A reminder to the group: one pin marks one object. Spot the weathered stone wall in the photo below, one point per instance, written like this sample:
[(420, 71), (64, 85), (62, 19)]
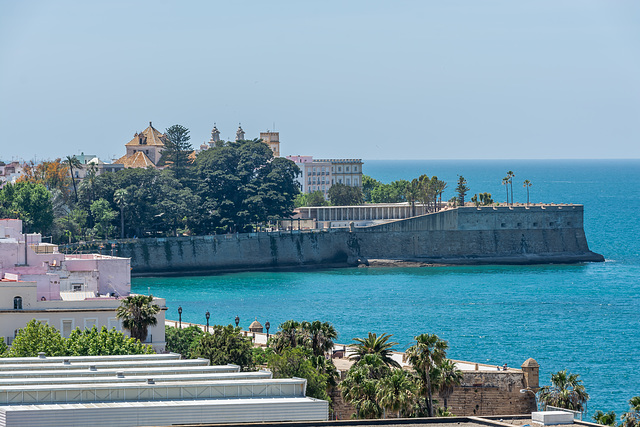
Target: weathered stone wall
[(491, 393), (467, 235)]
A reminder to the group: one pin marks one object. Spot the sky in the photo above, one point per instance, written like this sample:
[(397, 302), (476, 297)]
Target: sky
[(547, 79)]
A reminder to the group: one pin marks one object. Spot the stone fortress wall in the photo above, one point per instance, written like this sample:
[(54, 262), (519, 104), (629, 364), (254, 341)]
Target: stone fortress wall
[(466, 235)]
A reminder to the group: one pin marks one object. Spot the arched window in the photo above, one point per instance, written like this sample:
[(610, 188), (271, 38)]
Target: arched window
[(17, 303)]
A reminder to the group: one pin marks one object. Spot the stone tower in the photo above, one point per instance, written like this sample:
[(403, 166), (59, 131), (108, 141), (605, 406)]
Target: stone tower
[(531, 374), (239, 133), (215, 136), (272, 139)]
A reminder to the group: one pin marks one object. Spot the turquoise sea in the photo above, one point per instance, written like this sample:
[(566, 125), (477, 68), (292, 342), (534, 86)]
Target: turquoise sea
[(585, 318)]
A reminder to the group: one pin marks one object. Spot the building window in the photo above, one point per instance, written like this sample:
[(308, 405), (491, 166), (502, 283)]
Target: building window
[(355, 169), (348, 181), (355, 181), (90, 323), (67, 327), (346, 169), (339, 168), (114, 323), (17, 303)]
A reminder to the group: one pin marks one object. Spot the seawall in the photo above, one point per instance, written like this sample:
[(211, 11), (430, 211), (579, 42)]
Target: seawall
[(467, 235)]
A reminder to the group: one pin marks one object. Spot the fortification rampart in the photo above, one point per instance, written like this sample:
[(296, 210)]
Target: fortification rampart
[(469, 235)]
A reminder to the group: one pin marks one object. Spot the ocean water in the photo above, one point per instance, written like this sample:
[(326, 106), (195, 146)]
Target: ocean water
[(584, 318)]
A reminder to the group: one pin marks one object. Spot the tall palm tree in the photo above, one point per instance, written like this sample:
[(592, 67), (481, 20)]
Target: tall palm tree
[(396, 392), (632, 418), (321, 336), (505, 182), (427, 353), (374, 345), (412, 194), (566, 391), (449, 377), (526, 185), (120, 197), (510, 175), (137, 313), (71, 162)]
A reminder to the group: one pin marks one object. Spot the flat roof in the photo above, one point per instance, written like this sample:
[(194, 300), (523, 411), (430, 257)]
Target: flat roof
[(60, 359), (178, 369)]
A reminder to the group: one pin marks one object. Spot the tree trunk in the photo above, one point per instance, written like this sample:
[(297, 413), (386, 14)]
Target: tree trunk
[(122, 222)]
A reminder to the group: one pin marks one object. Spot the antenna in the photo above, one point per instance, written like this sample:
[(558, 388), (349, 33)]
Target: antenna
[(274, 126)]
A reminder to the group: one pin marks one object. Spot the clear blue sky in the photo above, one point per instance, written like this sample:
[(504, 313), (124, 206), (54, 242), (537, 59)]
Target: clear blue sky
[(367, 79)]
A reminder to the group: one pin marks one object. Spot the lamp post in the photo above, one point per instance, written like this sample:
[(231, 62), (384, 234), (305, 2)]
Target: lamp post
[(207, 315), (267, 325), (180, 316), (535, 396), (237, 321)]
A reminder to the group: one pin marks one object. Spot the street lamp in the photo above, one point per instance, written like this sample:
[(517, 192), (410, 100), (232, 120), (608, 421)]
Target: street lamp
[(207, 315), (180, 316), (237, 321), (535, 396), (267, 325)]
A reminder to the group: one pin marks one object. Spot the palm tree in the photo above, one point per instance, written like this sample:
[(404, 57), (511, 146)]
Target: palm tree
[(449, 377), (526, 185), (427, 353), (412, 194), (321, 336), (71, 162), (290, 335), (510, 175), (374, 345), (137, 313), (632, 418), (396, 392), (606, 419), (505, 182), (566, 391), (120, 197)]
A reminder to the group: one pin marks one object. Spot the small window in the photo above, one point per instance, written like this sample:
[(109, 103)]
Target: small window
[(503, 225), (90, 323), (551, 224), (17, 303), (569, 223), (67, 327), (519, 224), (76, 287), (346, 169), (355, 169), (339, 168), (535, 224)]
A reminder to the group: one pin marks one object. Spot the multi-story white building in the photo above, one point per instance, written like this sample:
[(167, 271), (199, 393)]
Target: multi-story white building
[(321, 174), (10, 172), (65, 291)]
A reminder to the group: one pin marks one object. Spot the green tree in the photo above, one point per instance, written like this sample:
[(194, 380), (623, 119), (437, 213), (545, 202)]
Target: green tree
[(3, 348), (177, 148), (316, 198), (462, 189), (289, 335), (225, 344), (183, 340), (360, 386), (632, 418), (527, 184), (345, 195), (29, 202), (103, 217), (566, 391), (106, 342), (449, 376), (37, 337), (320, 336), (412, 193), (606, 419), (368, 185), (120, 198), (374, 344), (427, 353), (137, 313), (295, 362), (397, 392)]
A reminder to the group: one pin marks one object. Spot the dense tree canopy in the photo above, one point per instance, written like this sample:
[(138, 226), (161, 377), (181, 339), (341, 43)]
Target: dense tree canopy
[(345, 195), (29, 202)]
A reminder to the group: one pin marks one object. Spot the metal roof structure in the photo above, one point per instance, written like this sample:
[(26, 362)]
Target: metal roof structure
[(146, 390)]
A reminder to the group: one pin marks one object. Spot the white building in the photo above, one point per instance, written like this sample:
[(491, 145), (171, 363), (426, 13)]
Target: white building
[(146, 390), (65, 291), (321, 174)]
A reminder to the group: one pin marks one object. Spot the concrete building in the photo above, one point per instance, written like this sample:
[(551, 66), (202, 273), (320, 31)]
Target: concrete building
[(144, 149), (321, 174), (10, 172), (65, 291), (361, 215), (91, 162), (146, 390)]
